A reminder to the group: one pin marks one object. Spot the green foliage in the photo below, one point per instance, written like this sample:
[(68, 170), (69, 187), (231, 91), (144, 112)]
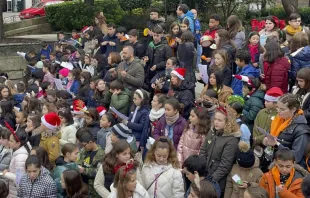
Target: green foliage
[(129, 5), (75, 15)]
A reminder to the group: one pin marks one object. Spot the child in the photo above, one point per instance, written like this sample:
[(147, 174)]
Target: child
[(49, 71), (214, 25), (4, 188), (138, 120), (106, 122), (32, 129), (122, 38), (84, 88), (48, 107), (126, 184), (71, 181), (70, 152), (255, 192), (161, 175), (19, 97), (68, 131), (91, 101), (73, 84), (112, 162), (89, 160), (157, 111), (5, 93), (46, 50), (121, 96), (63, 76), (284, 179), (41, 153), (173, 36), (5, 151), (243, 62), (91, 117), (194, 134), (293, 26), (100, 92), (109, 41), (7, 113), (31, 105), (266, 115), (247, 168), (137, 45), (44, 87), (220, 146), (78, 113), (50, 139), (254, 48), (172, 124), (21, 149), (62, 38), (21, 119), (39, 184), (51, 96)]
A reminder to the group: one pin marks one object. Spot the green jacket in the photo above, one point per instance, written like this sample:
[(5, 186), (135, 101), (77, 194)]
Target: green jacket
[(263, 120), (121, 101), (91, 171)]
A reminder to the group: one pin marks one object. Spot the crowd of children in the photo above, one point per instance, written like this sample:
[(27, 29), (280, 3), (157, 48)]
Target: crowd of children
[(108, 113)]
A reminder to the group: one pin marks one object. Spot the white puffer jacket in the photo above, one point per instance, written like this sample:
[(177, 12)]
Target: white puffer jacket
[(139, 192), (68, 135), (169, 183), (16, 169)]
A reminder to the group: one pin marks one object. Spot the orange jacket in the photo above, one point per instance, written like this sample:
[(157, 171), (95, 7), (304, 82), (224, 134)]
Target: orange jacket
[(294, 190)]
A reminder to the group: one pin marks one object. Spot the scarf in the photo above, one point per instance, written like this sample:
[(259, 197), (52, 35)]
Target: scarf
[(155, 115), (253, 51), (279, 124), (118, 166), (276, 176), (171, 120), (290, 30)]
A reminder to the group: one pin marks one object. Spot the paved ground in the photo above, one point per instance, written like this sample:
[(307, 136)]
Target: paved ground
[(10, 17)]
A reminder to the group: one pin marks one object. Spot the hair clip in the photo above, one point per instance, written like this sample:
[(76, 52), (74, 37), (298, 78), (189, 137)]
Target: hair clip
[(222, 109), (129, 165), (11, 130), (163, 140)]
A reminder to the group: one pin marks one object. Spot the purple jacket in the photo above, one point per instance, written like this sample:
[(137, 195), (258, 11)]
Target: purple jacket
[(178, 129)]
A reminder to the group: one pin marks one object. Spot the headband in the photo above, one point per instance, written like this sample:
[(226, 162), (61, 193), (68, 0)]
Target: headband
[(222, 109), (139, 92)]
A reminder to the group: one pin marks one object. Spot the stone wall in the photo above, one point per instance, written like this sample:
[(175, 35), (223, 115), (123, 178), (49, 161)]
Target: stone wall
[(14, 66)]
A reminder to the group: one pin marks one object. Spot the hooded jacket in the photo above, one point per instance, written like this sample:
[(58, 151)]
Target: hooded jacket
[(219, 149), (67, 135), (190, 16), (276, 74), (299, 59), (5, 158), (121, 101), (42, 186), (185, 95)]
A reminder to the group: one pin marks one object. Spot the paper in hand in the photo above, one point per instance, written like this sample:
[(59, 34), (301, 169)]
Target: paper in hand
[(119, 114), (203, 69), (264, 132)]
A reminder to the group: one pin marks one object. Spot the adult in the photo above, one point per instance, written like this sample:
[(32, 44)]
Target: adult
[(101, 25), (155, 20), (182, 13), (270, 28), (235, 30), (130, 70)]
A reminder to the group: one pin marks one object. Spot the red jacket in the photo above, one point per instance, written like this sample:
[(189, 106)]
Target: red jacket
[(276, 74)]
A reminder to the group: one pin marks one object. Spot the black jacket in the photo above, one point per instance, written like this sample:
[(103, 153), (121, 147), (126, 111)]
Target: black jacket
[(186, 53), (107, 49), (139, 50), (93, 129)]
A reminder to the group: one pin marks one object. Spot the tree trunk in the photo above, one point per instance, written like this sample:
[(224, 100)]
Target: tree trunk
[(290, 6), (1, 19)]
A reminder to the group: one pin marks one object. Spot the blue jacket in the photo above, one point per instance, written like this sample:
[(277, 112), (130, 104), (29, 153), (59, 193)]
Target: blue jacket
[(18, 98), (248, 70), (197, 28), (299, 59), (46, 52), (75, 87), (190, 16), (91, 102), (140, 126), (107, 49)]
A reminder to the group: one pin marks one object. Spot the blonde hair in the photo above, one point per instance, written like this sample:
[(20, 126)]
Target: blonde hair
[(231, 124)]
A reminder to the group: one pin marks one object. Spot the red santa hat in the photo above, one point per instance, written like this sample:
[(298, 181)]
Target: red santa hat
[(244, 79), (179, 72), (85, 29), (101, 110), (79, 107), (273, 94), (51, 121)]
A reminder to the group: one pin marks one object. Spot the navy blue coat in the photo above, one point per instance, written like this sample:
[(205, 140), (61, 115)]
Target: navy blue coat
[(299, 59), (107, 49)]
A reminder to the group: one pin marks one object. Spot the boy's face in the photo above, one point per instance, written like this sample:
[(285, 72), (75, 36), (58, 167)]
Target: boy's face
[(190, 176), (52, 57), (61, 36), (119, 35), (213, 23), (111, 30), (270, 105), (295, 23), (154, 15), (285, 167), (157, 37), (239, 62), (132, 39)]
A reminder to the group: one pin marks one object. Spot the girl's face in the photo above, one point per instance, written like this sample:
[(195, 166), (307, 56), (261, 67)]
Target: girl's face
[(193, 118), (63, 120), (33, 171), (4, 142), (174, 79), (13, 144), (62, 181), (137, 100), (192, 194), (88, 119), (100, 85), (183, 27), (301, 82), (254, 39), (77, 54), (161, 156), (219, 121), (82, 80), (284, 111), (212, 80), (73, 156), (86, 60), (219, 61), (20, 119), (104, 122), (269, 25), (29, 122), (169, 64), (176, 29), (170, 111), (70, 77), (5, 93), (132, 183), (94, 62), (217, 39), (155, 104), (124, 156)]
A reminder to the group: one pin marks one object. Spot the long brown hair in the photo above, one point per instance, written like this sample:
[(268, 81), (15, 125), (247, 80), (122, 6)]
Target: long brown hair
[(206, 189), (74, 184), (304, 73), (234, 26), (163, 143), (224, 38), (299, 40), (204, 120), (122, 177)]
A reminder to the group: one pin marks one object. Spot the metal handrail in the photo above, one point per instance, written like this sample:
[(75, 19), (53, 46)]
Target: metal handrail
[(11, 19)]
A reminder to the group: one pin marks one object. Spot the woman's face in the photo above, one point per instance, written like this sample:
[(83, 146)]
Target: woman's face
[(13, 144), (161, 156), (217, 39), (100, 85), (5, 93), (137, 100), (132, 183), (269, 25), (124, 156), (174, 79), (219, 61), (175, 30), (219, 121), (284, 111), (155, 104), (301, 82), (33, 172), (74, 155), (170, 111), (212, 80), (86, 60)]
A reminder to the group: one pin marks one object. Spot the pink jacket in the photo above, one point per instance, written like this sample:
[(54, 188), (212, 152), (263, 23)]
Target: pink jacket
[(190, 143)]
